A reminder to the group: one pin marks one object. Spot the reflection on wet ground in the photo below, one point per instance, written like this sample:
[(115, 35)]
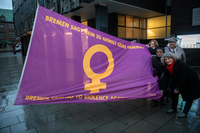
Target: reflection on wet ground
[(111, 117)]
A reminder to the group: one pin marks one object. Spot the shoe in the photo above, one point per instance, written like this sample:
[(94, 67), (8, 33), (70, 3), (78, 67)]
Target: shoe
[(182, 115), (171, 111)]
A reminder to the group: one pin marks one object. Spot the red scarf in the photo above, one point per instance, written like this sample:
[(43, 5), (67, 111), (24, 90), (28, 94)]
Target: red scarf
[(170, 68)]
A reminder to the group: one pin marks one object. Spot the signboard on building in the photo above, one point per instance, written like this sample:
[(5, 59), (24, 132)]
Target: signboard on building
[(189, 41)]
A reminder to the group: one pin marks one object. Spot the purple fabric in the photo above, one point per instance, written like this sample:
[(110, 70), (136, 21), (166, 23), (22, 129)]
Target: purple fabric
[(59, 53)]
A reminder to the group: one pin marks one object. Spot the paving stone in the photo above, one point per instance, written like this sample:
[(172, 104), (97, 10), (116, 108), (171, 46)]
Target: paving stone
[(173, 127), (190, 121), (54, 116), (100, 109), (36, 109), (77, 108), (123, 109), (11, 114), (60, 131), (53, 126), (72, 119), (5, 130), (81, 127), (31, 119), (159, 118), (104, 117), (30, 131), (147, 109), (12, 107), (196, 128), (54, 108), (111, 127), (137, 102), (142, 127), (131, 118), (8, 122), (116, 103), (19, 127)]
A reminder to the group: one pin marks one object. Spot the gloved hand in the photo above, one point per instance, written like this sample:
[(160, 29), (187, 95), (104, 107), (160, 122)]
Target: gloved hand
[(154, 73)]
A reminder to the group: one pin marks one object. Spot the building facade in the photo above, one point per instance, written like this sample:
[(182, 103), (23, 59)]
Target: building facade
[(7, 34), (132, 20)]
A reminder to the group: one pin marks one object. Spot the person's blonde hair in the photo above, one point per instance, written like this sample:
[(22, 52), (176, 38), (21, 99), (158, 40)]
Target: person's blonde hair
[(155, 42), (169, 55)]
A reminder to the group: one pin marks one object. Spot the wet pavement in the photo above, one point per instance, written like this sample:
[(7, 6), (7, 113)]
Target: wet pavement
[(130, 116)]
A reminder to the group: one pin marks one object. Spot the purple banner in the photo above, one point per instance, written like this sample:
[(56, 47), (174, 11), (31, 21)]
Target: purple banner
[(68, 62)]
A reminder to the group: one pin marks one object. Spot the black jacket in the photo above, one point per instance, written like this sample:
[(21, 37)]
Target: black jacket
[(184, 79), (157, 65), (152, 51)]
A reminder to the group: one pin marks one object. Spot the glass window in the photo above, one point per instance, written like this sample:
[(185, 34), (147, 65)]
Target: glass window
[(11, 26), (156, 22), (168, 32), (129, 21), (1, 26), (136, 33), (2, 19), (2, 35), (143, 23), (85, 23), (121, 32), (129, 32), (130, 27), (12, 34), (156, 33), (136, 22), (143, 33), (156, 27), (169, 20), (121, 20)]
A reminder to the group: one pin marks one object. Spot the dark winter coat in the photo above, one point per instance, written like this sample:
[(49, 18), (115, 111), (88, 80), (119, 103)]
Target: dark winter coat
[(152, 51), (184, 79), (157, 65)]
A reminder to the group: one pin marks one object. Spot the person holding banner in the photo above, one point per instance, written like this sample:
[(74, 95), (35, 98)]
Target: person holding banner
[(174, 48), (185, 81), (158, 71), (152, 45)]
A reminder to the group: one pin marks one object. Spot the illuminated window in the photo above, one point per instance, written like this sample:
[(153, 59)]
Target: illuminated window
[(129, 21), (156, 27), (85, 23), (131, 27), (136, 22), (121, 32), (121, 20)]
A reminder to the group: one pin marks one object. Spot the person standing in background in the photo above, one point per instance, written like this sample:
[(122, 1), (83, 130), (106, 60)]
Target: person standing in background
[(174, 48), (152, 45)]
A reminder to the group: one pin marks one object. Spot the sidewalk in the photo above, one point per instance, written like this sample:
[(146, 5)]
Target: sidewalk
[(130, 116)]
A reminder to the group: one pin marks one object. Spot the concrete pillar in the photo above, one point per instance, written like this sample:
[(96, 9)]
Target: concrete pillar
[(101, 14), (76, 18), (113, 24)]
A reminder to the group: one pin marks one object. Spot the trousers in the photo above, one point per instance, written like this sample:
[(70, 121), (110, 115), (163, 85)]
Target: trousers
[(175, 103)]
